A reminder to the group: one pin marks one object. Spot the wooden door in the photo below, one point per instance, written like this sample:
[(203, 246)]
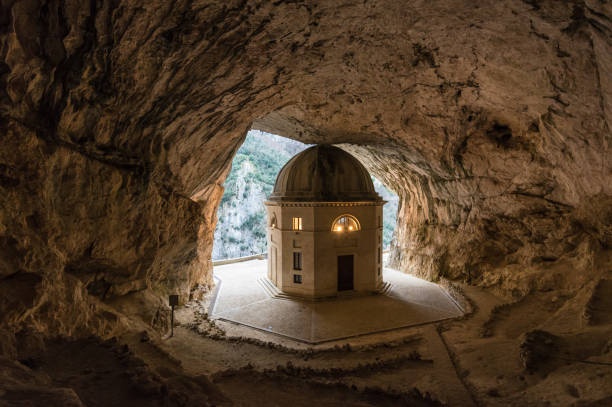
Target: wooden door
[(345, 272)]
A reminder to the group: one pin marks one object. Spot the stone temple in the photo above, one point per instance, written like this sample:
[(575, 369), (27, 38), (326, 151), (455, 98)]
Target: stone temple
[(325, 226)]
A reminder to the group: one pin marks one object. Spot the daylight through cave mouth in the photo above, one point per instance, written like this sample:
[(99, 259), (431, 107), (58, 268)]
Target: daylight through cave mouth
[(241, 219), (321, 234)]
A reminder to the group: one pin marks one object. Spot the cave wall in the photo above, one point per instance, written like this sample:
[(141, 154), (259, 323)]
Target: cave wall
[(77, 232), (120, 119), (492, 125)]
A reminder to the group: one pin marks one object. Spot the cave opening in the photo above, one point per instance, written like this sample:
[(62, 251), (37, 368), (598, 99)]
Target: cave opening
[(323, 228), (241, 222)]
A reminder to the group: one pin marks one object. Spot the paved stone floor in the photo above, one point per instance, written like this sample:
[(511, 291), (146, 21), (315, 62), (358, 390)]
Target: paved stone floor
[(410, 301)]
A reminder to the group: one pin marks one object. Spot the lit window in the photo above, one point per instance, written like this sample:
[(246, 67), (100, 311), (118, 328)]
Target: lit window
[(297, 279), (297, 223), (297, 260), (346, 223), (273, 221)]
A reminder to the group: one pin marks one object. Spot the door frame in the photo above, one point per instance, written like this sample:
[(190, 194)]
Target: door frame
[(354, 256)]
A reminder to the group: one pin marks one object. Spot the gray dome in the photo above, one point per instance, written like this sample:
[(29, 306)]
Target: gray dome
[(324, 173)]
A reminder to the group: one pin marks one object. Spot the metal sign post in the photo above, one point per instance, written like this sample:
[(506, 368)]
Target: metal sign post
[(174, 300)]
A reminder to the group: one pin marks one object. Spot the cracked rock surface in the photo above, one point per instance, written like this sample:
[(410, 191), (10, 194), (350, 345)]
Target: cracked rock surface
[(119, 120)]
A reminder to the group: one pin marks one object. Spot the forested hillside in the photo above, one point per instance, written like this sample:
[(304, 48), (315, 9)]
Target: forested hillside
[(241, 224)]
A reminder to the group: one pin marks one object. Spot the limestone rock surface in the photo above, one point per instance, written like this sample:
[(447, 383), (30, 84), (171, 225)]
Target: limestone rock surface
[(119, 119)]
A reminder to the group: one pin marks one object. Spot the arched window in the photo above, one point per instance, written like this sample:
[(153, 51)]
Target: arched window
[(273, 221), (346, 223)]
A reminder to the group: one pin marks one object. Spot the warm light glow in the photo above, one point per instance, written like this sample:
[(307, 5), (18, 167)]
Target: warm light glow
[(346, 223), (297, 223)]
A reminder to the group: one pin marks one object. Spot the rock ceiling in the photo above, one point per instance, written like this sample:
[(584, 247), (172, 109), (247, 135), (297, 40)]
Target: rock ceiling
[(491, 120)]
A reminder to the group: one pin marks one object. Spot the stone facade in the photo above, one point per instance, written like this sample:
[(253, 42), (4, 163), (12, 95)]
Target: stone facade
[(320, 247)]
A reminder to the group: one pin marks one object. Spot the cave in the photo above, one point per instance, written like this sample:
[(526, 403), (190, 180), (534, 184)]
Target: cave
[(119, 122)]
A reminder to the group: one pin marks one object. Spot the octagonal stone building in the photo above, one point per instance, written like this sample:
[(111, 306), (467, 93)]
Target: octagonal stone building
[(324, 226)]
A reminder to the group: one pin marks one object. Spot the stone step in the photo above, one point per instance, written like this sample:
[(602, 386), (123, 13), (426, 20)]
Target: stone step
[(384, 288), (273, 292), (268, 286)]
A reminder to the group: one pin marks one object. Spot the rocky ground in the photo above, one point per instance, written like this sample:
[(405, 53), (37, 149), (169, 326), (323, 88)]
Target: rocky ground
[(499, 354)]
